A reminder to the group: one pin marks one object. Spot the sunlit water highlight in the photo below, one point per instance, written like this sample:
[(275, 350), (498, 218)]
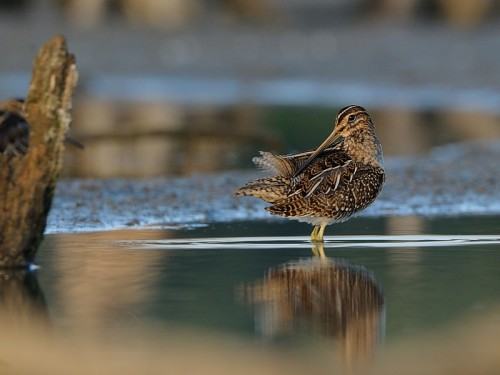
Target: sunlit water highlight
[(302, 242)]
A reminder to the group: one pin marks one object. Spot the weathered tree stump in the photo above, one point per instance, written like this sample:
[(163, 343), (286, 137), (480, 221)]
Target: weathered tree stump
[(27, 183)]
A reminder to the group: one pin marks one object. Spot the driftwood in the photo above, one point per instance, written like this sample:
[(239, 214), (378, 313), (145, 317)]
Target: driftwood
[(27, 183)]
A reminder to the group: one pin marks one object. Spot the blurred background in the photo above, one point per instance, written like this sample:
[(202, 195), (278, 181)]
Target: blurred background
[(183, 86), (175, 87)]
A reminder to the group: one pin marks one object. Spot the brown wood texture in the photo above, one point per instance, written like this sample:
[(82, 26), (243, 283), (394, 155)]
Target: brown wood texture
[(27, 183)]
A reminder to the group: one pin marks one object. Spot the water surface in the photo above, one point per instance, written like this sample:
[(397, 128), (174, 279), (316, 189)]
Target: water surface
[(254, 287), (431, 272)]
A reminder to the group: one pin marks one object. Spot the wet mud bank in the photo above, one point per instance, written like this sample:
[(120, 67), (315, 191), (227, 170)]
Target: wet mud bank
[(452, 180)]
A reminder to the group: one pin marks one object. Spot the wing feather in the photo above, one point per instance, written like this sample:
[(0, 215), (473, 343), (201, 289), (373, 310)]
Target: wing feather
[(333, 187)]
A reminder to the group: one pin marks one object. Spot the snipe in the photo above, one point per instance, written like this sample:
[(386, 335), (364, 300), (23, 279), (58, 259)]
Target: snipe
[(15, 130), (328, 185)]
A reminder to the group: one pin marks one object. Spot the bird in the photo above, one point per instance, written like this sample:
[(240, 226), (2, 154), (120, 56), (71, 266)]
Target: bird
[(14, 129), (326, 185)]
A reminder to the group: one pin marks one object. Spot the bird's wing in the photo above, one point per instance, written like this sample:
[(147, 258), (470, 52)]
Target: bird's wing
[(330, 189), (286, 165), (322, 181), (282, 186), (329, 172)]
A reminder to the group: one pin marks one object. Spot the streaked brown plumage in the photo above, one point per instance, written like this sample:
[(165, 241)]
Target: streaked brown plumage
[(328, 185), (14, 129)]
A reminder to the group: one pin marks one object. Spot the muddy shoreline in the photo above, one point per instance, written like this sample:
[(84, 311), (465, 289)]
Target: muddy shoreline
[(457, 179)]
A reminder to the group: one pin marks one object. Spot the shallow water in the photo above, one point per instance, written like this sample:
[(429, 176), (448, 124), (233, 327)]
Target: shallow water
[(219, 278), (384, 286)]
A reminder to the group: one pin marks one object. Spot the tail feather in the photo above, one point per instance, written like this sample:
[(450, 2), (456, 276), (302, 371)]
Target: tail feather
[(269, 189), (294, 209), (274, 163)]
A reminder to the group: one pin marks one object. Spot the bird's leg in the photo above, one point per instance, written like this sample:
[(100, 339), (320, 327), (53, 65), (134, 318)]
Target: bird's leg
[(319, 237), (317, 233), (314, 234)]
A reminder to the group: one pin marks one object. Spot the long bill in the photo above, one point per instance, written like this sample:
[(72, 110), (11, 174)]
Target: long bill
[(332, 140)]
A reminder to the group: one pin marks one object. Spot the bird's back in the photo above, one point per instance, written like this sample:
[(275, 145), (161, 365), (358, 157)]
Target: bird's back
[(330, 189)]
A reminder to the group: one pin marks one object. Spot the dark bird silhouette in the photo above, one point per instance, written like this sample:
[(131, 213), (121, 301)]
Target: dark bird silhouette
[(14, 129)]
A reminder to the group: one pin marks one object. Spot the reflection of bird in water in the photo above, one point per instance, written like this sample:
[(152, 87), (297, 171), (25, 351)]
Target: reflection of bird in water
[(327, 185), (15, 130), (329, 297)]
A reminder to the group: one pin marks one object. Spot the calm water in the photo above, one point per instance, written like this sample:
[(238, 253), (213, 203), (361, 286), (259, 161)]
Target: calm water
[(380, 283), (232, 279)]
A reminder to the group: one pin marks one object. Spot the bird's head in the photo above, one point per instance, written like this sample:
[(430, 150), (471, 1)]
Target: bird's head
[(351, 125), (351, 120)]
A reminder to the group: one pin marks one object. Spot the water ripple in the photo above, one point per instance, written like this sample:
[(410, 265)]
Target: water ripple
[(302, 242)]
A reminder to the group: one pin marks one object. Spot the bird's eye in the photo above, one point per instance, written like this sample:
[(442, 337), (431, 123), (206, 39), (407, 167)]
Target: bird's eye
[(351, 117)]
